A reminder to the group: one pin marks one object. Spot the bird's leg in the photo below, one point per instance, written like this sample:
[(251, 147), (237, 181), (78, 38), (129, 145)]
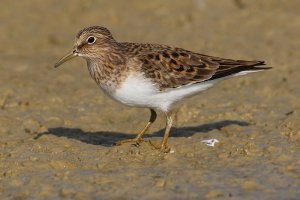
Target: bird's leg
[(153, 115), (139, 137), (163, 147)]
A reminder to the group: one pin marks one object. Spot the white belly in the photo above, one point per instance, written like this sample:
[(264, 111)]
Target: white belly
[(140, 92)]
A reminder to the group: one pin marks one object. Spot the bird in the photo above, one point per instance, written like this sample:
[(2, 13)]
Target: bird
[(152, 76)]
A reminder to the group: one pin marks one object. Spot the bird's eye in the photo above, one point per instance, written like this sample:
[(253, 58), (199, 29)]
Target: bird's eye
[(91, 40)]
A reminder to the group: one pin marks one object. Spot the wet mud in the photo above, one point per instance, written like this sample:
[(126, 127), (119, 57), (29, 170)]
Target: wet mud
[(57, 128)]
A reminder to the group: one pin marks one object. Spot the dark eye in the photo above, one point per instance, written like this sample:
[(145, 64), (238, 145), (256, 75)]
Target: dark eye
[(91, 40)]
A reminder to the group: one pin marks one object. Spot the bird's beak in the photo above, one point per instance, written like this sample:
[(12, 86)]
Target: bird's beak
[(67, 57)]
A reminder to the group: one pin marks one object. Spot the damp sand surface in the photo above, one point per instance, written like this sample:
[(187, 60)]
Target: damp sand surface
[(57, 128)]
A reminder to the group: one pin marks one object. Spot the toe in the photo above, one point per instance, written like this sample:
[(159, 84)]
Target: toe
[(165, 149), (135, 141)]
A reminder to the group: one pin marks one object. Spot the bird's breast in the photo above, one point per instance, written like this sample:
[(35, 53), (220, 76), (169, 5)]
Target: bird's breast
[(106, 76)]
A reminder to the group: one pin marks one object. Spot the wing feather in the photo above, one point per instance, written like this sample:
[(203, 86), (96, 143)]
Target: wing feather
[(176, 67)]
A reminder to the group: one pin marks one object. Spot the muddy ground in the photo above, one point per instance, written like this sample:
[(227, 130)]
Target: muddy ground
[(57, 128)]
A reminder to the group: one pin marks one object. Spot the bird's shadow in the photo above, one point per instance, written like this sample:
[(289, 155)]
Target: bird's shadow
[(107, 138)]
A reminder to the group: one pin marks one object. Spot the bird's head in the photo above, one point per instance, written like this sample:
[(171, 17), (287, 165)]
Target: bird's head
[(90, 43)]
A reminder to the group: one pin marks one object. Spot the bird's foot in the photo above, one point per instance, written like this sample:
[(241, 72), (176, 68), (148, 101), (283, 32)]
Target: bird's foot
[(134, 141), (162, 147)]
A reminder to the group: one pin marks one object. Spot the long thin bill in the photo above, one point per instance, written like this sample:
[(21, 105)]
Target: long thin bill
[(67, 57)]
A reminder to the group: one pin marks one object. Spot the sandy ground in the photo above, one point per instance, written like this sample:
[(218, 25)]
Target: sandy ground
[(57, 128)]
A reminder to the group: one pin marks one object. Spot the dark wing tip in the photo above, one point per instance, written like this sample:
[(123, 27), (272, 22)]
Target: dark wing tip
[(240, 66), (258, 65), (253, 65)]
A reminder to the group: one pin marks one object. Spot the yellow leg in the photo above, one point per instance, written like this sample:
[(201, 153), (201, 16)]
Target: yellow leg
[(139, 137), (163, 147)]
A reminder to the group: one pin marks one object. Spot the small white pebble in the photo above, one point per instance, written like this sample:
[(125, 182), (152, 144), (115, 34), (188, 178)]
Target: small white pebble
[(172, 150), (210, 142)]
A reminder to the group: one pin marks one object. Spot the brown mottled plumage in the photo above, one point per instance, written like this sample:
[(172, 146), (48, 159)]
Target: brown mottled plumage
[(151, 75)]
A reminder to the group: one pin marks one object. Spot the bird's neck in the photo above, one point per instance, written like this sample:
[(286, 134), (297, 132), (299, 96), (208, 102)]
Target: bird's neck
[(107, 70)]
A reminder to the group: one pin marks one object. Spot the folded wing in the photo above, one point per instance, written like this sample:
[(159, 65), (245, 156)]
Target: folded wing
[(175, 67)]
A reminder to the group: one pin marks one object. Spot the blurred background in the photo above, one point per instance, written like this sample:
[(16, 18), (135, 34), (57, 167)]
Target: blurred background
[(57, 127)]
